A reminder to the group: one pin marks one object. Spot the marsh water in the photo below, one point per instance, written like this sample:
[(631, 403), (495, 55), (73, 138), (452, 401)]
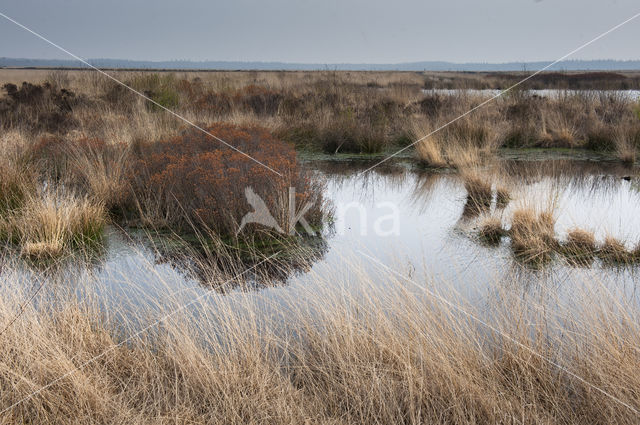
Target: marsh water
[(550, 93), (415, 221)]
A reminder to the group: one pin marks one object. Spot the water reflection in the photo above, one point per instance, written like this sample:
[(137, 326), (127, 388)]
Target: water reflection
[(434, 241)]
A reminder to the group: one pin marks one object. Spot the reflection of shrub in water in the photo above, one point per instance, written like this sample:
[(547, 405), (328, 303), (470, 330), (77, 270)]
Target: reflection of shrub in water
[(214, 263), (194, 181)]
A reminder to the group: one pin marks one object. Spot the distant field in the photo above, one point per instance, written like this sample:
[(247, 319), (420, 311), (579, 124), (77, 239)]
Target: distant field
[(586, 80)]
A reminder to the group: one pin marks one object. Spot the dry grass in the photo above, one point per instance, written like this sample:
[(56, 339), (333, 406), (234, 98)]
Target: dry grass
[(388, 357), (51, 224), (479, 190), (105, 175), (614, 251), (580, 247), (458, 148), (330, 111), (624, 141), (430, 154), (532, 234), (490, 229), (17, 178), (503, 194), (581, 239)]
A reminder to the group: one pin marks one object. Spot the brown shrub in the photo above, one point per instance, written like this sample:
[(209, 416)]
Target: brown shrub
[(195, 180), (259, 100), (38, 108), (214, 102)]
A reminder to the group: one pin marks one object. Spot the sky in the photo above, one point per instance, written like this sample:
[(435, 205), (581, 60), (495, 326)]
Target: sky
[(321, 31)]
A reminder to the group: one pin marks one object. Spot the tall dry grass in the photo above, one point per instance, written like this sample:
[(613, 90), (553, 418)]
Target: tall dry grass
[(368, 354), (49, 224)]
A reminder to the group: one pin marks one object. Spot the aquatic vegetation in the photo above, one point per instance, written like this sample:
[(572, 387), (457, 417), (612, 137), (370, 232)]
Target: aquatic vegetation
[(626, 137), (503, 195), (490, 229), (429, 150), (580, 247), (614, 251), (479, 190), (242, 364), (581, 241), (532, 234)]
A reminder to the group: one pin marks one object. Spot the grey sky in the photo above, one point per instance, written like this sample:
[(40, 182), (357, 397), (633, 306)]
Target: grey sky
[(322, 31)]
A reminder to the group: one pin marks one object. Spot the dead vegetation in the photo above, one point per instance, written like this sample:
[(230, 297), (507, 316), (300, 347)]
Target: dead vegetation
[(532, 234), (338, 359), (490, 230)]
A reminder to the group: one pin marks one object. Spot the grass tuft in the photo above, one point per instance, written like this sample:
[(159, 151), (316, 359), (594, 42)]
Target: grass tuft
[(613, 251), (532, 235), (490, 230), (580, 247), (479, 190), (52, 224)]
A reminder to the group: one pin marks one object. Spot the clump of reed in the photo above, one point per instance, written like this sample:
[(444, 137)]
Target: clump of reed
[(614, 251), (104, 172), (478, 187), (430, 154), (461, 147), (532, 234), (503, 195), (580, 247), (624, 141), (490, 230), (17, 179), (51, 224)]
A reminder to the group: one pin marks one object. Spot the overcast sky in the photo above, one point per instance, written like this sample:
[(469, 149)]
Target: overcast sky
[(322, 31)]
